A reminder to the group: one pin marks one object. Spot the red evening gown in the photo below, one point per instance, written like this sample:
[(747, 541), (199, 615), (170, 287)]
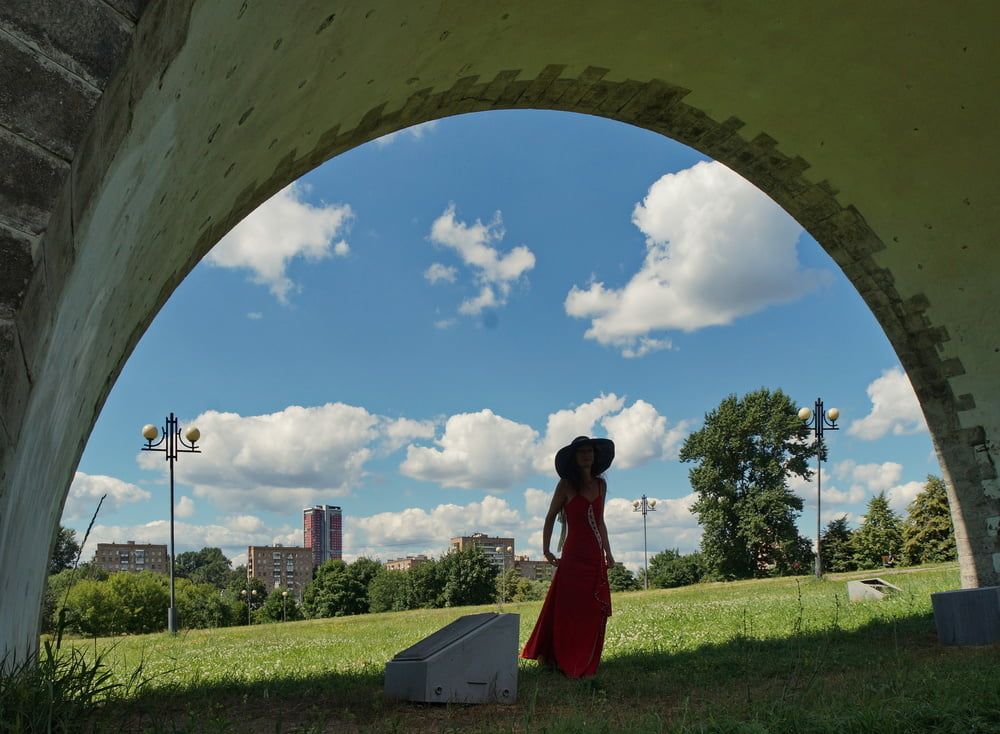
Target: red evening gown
[(570, 629)]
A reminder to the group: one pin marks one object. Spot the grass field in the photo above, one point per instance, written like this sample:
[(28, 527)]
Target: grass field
[(781, 655)]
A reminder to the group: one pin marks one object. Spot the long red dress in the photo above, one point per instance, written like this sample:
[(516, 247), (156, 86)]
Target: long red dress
[(570, 629)]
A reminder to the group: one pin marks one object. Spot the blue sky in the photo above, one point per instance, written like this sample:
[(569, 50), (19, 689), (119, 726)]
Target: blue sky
[(413, 328)]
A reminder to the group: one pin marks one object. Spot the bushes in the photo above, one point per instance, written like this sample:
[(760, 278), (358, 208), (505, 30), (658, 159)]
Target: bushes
[(136, 603), (669, 569)]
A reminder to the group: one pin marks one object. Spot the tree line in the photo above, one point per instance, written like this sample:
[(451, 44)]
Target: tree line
[(210, 593)]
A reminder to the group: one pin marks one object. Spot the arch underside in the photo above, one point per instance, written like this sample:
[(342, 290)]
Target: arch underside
[(218, 105)]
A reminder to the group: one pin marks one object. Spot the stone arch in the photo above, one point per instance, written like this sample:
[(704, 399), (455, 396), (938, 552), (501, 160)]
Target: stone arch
[(219, 104)]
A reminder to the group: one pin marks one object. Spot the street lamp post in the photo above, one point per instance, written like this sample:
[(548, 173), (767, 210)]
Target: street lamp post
[(249, 597), (284, 598), (819, 421), (171, 443), (644, 506), (502, 552)]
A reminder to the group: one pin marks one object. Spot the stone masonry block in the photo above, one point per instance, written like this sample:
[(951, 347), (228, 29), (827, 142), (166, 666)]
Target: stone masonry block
[(40, 101), (85, 36), (30, 180)]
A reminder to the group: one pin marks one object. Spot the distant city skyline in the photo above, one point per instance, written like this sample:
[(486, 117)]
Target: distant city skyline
[(413, 329)]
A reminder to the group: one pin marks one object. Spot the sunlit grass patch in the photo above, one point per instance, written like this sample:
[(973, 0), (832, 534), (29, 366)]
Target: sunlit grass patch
[(762, 655)]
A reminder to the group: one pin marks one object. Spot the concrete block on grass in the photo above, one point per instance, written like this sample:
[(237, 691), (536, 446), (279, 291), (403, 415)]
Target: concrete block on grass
[(967, 616)]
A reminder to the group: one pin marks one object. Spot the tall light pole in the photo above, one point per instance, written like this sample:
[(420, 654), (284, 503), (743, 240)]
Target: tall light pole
[(172, 444), (644, 506), (249, 597), (284, 598), (502, 552), (819, 421)]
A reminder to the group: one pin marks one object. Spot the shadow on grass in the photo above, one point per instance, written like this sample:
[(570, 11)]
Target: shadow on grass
[(889, 675)]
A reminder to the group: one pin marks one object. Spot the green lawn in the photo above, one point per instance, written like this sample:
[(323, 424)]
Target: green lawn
[(774, 655)]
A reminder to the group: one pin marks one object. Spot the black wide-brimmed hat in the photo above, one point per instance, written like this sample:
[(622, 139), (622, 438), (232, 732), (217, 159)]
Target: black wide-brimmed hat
[(604, 454)]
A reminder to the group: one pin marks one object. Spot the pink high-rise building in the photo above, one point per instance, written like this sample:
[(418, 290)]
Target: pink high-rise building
[(323, 533)]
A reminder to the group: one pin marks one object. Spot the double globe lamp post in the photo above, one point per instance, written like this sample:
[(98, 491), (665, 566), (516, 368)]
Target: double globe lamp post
[(172, 443), (819, 420), (644, 506)]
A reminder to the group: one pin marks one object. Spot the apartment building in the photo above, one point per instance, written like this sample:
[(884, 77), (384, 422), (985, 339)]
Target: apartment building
[(535, 570), (405, 564), (323, 533), (289, 567), (132, 557)]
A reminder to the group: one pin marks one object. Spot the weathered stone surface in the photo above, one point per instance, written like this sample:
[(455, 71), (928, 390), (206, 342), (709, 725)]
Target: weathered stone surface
[(132, 9), (30, 179), (14, 382), (85, 36), (40, 101), (15, 254)]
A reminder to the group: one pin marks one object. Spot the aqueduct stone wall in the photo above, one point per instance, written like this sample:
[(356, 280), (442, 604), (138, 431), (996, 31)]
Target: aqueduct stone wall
[(132, 137)]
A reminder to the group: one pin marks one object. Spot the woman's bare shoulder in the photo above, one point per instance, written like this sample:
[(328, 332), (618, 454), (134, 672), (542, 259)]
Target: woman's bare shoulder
[(565, 490)]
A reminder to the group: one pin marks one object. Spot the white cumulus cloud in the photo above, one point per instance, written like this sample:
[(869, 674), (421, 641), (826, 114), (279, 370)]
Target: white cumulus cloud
[(484, 450), (476, 244), (477, 451), (296, 456), (417, 132), (895, 408), (902, 495), (184, 507), (641, 434), (565, 425), (86, 491), (281, 229), (438, 273), (716, 249), (401, 431)]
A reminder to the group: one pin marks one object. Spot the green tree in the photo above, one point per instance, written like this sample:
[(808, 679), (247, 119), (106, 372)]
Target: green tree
[(928, 534), (621, 579), (57, 586), (529, 590), (470, 578), (141, 601), (278, 608), (427, 582), (745, 453), (238, 587), (506, 584), (90, 609), (65, 551), (880, 537), (201, 606), (836, 546), (334, 592), (669, 569), (206, 566), (391, 591), (365, 570)]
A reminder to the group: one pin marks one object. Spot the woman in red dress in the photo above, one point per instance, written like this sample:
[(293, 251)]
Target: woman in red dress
[(569, 632)]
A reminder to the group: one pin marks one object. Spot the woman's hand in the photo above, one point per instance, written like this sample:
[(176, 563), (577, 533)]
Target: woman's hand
[(550, 557), (610, 559)]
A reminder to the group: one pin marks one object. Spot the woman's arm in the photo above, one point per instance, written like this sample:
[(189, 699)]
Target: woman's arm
[(558, 500), (604, 528)]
